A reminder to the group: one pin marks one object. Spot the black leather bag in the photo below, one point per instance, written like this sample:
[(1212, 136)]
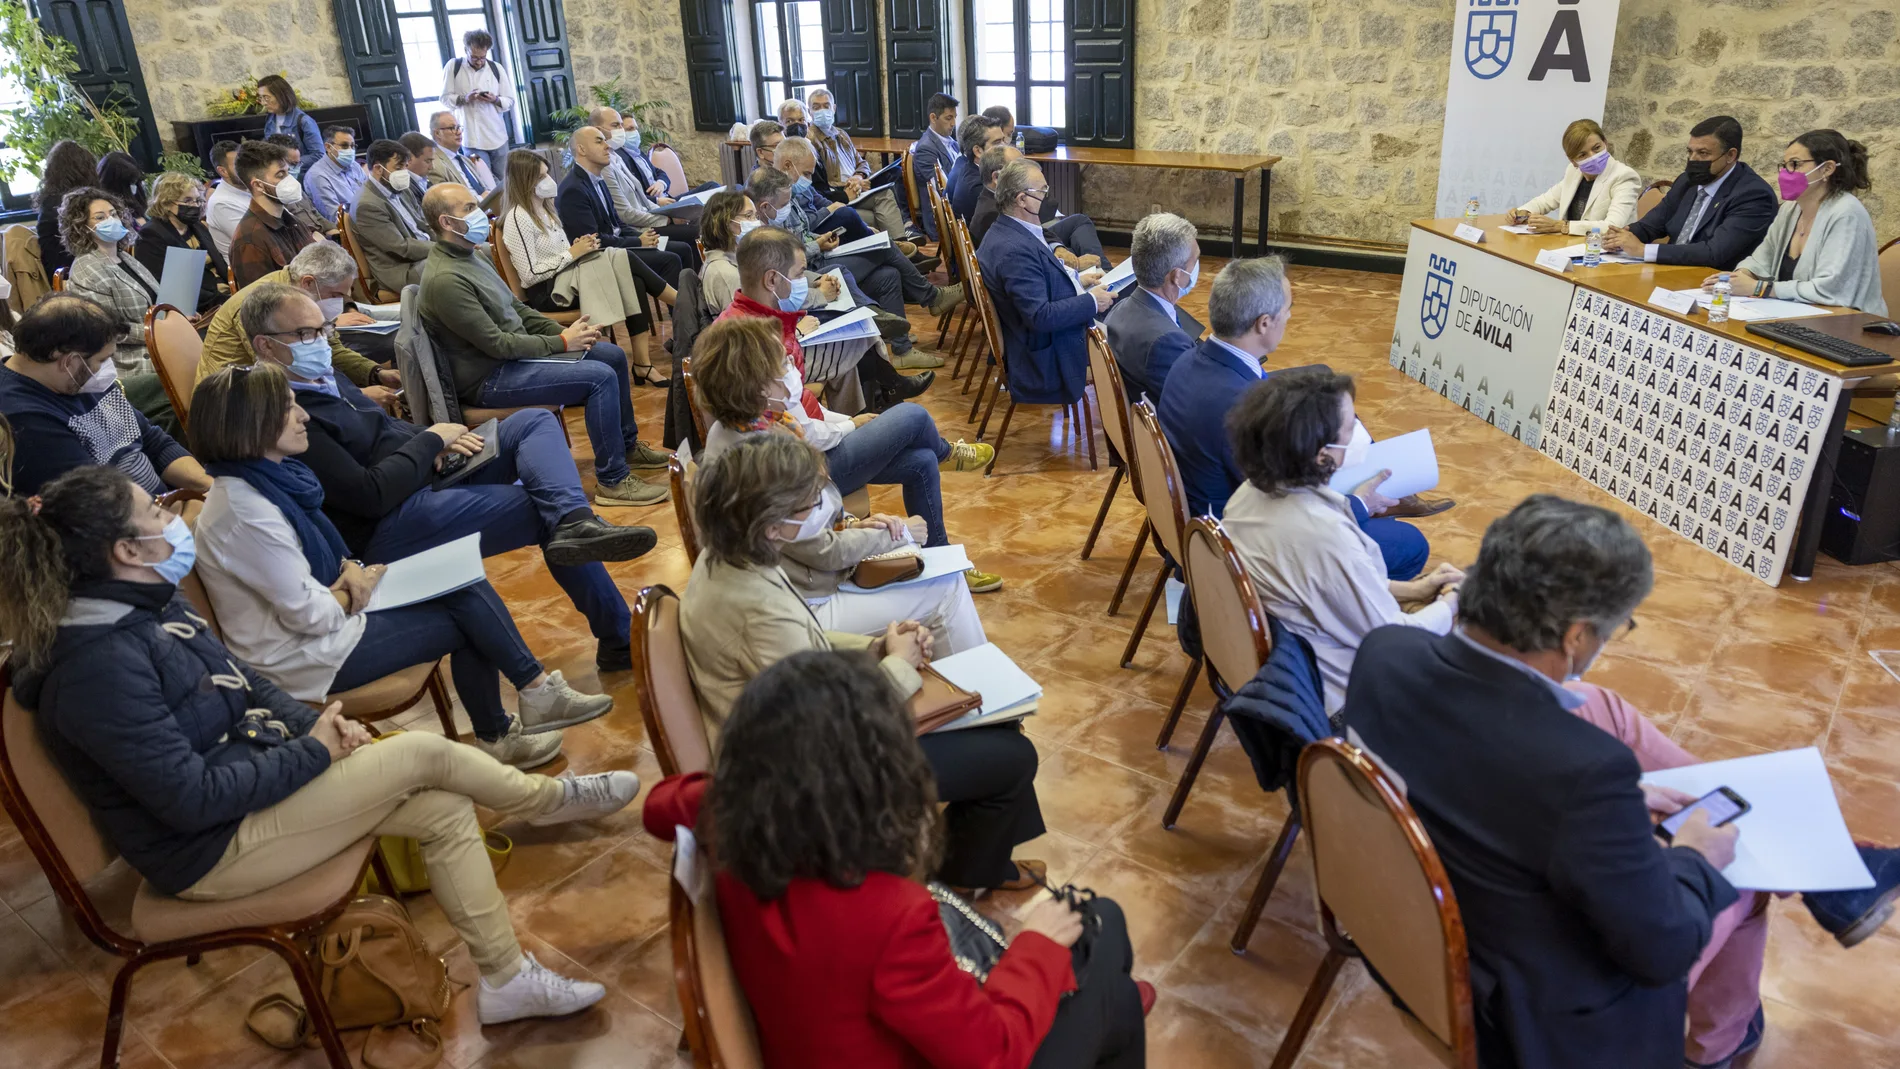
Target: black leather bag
[(976, 942), (1037, 139)]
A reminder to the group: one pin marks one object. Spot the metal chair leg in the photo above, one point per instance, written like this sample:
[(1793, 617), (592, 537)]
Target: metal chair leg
[(1180, 702), (1276, 861), (1193, 769), (1128, 570), (1101, 514), (1147, 610), (1316, 992)]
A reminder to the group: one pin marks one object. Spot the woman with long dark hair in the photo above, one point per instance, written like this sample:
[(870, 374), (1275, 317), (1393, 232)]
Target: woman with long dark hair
[(121, 176), (1822, 247), (69, 165), (213, 783), (821, 816)]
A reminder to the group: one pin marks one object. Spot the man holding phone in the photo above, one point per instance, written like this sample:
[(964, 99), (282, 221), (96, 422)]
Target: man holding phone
[(476, 87)]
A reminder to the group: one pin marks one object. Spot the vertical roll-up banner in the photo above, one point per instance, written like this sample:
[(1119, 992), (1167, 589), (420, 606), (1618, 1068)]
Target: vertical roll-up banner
[(1521, 71)]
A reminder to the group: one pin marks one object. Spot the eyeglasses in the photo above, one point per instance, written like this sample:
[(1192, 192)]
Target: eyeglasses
[(306, 334), (456, 129), (1626, 630), (1789, 165)]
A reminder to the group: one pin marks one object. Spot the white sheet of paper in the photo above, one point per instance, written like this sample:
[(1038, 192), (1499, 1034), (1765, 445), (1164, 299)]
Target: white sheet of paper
[(988, 671), (1514, 228), (430, 573), (1119, 276), (845, 327), (845, 301), (879, 240), (686, 861), (1792, 837), (662, 245), (939, 561), (867, 193), (1756, 309), (183, 277), (1413, 461), (390, 312), (1554, 259), (1176, 589)]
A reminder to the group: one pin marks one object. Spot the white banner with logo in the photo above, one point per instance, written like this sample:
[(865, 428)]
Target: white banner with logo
[(1521, 71), (1481, 330), (1714, 439)]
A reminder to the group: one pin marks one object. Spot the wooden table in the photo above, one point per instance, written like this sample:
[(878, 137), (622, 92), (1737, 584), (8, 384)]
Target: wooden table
[(1069, 160), (1498, 281)]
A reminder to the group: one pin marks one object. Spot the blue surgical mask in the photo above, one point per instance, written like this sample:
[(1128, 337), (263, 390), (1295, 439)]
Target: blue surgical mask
[(477, 224), (346, 156), (311, 359), (633, 140), (803, 184), (822, 118), (110, 232), (1194, 275), (800, 288), (174, 568)]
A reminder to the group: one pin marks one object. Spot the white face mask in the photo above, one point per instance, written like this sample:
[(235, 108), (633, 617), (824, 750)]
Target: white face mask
[(617, 139), (331, 307), (546, 188), (400, 178), (821, 515), (101, 380), (289, 191), (747, 226)]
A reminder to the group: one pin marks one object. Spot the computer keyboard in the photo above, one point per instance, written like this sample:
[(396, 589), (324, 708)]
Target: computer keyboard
[(1825, 346)]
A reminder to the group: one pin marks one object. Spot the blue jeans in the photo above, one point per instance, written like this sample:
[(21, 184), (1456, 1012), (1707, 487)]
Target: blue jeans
[(471, 627), (1404, 546), (902, 447), (599, 381), (516, 500), (497, 161)]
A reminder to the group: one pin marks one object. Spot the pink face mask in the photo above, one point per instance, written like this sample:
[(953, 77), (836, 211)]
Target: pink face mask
[(1595, 165), (1794, 183)]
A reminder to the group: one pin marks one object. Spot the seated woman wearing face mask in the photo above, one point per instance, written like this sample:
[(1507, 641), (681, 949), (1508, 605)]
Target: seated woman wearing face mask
[(741, 614), (60, 391), (1597, 190)]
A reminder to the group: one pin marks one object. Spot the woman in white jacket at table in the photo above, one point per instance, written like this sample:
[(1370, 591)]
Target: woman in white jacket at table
[(1597, 189), (1821, 248)]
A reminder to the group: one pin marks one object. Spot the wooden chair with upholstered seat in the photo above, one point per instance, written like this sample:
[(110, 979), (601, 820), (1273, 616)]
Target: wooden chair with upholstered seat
[(175, 346), (1078, 410), (668, 704), (719, 1027), (366, 288), (663, 158), (1383, 897), (1111, 404), (1164, 495), (1652, 195), (680, 475), (62, 837), (505, 266)]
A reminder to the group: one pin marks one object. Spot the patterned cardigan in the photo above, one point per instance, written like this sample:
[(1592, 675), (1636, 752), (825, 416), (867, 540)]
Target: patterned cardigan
[(109, 278)]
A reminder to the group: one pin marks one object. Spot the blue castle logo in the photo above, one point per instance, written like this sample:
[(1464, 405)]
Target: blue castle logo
[(1490, 30)]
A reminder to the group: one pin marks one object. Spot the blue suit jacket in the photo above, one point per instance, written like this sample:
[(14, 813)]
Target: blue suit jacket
[(1044, 321), (582, 212), (1199, 390), (1146, 343), (928, 153), (1728, 231), (965, 183)]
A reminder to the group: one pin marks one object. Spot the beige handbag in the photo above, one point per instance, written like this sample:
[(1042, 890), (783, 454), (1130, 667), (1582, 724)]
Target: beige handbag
[(940, 701)]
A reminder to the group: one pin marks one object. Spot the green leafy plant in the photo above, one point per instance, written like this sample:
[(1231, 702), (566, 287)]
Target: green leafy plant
[(610, 94), (55, 109), (183, 163)]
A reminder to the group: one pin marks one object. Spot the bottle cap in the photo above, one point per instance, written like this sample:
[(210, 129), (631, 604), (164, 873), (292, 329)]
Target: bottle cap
[(1723, 275)]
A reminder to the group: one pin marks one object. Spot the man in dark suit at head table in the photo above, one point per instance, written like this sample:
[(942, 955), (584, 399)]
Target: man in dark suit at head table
[(1147, 329), (1713, 215)]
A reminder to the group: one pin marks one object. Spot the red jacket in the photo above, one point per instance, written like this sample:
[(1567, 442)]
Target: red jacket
[(863, 976), (744, 307)]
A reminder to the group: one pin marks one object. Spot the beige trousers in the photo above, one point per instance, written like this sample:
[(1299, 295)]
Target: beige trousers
[(415, 785)]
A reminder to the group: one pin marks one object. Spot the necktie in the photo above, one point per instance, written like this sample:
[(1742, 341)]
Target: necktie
[(1703, 196), (469, 173)]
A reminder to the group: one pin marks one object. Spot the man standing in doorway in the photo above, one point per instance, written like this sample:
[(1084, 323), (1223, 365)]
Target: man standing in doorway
[(478, 89)]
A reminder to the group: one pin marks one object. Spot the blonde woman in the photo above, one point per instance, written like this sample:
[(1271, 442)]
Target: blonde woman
[(177, 221), (1597, 190)]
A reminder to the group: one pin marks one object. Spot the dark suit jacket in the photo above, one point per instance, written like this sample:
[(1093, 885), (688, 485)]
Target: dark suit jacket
[(1200, 388), (582, 211), (643, 168), (1581, 928), (1044, 321), (986, 213), (1730, 227), (1147, 343), (965, 183)]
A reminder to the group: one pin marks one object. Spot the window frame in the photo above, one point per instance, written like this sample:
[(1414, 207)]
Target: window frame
[(499, 26), (1025, 81), (795, 88)]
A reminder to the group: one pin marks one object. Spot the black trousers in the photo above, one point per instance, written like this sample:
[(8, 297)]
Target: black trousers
[(379, 348), (988, 777), (1100, 1026), (666, 264)]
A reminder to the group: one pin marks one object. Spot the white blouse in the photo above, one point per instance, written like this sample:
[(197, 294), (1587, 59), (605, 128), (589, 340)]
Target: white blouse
[(536, 251)]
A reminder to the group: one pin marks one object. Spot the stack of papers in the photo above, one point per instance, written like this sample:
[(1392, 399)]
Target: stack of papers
[(848, 327), (1120, 276), (1757, 309), (1792, 837), (939, 561), (430, 574), (1413, 461), (879, 240), (1008, 692)]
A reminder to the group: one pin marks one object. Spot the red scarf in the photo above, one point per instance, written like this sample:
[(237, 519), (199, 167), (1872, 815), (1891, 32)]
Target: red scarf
[(744, 307)]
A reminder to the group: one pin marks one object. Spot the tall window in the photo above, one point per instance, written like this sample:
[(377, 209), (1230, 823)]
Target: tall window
[(431, 32), (791, 39), (1019, 53), (15, 195)]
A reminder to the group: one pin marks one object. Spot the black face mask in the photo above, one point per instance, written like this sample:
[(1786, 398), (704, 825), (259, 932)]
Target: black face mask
[(796, 129), (1699, 172), (190, 213)]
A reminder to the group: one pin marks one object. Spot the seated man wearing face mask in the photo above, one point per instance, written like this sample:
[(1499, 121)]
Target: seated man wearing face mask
[(387, 224), (60, 393), (268, 235), (1715, 213)]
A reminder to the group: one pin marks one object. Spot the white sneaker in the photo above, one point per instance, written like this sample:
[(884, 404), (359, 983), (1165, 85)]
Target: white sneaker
[(554, 704), (522, 751), (591, 796), (535, 991)]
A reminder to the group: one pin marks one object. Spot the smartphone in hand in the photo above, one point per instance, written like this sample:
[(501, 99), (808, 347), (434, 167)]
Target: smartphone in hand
[(1723, 806)]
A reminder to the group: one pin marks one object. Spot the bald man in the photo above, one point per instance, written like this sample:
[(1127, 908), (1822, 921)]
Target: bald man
[(585, 204)]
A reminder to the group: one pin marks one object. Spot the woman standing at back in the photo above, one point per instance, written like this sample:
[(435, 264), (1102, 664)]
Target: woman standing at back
[(280, 103)]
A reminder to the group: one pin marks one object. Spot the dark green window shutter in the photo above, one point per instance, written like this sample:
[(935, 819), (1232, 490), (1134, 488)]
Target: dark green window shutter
[(372, 51), (851, 65), (1102, 73), (108, 63), (711, 71), (547, 75), (915, 31)]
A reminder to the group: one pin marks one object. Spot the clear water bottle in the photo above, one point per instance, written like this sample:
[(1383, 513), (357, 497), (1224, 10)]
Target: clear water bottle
[(1471, 209), (1593, 247), (1718, 300)]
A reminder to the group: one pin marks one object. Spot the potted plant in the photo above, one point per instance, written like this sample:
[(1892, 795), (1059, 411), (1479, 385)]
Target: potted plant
[(610, 94), (54, 109)]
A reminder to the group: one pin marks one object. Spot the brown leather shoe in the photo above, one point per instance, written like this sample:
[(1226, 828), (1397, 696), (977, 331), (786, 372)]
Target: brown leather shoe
[(1413, 506), (1028, 874)]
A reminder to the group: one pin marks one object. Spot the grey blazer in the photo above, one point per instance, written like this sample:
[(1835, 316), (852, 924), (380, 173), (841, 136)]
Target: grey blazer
[(109, 278), (1840, 264), (395, 251)]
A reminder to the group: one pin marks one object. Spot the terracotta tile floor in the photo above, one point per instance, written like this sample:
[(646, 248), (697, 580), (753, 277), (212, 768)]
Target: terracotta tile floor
[(1727, 665)]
